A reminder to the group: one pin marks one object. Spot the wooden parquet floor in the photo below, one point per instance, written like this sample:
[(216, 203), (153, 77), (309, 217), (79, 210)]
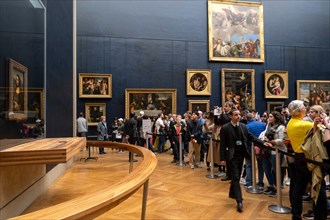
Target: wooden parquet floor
[(174, 192)]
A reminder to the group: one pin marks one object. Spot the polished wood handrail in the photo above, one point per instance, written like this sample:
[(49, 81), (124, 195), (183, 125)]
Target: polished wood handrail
[(96, 203)]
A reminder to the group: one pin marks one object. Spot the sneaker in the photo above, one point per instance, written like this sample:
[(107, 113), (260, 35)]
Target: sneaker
[(272, 193), (306, 197), (220, 173), (192, 166), (309, 215), (268, 190), (260, 186), (242, 181)]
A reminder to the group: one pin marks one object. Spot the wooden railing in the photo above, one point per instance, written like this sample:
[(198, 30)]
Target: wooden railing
[(95, 204)]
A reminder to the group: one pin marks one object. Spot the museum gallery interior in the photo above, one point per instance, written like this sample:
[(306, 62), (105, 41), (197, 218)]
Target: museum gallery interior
[(114, 57)]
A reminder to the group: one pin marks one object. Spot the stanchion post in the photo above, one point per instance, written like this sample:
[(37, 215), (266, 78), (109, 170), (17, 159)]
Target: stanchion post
[(278, 208), (131, 162), (254, 189), (211, 175), (147, 140), (144, 199), (180, 150)]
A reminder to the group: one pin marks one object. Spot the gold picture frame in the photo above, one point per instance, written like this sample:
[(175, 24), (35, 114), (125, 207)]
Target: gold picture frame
[(94, 111), (36, 101), (95, 85), (17, 91), (151, 101), (315, 92), (235, 31), (237, 85), (276, 84), (199, 105), (198, 82), (272, 105)]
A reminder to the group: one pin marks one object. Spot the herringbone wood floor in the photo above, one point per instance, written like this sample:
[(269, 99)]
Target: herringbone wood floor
[(174, 192)]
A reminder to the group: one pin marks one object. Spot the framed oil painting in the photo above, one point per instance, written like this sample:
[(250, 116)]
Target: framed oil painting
[(93, 112), (315, 92), (151, 101), (237, 86), (199, 105), (235, 31), (95, 85), (35, 104), (272, 105), (17, 91), (276, 84), (198, 82)]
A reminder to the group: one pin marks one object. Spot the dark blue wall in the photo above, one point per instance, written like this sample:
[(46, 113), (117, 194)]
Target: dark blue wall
[(150, 44), (59, 80)]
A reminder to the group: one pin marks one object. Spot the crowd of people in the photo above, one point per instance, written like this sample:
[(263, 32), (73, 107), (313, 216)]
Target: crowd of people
[(234, 134)]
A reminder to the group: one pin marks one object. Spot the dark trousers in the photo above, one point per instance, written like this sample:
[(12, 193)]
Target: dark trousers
[(101, 149), (301, 178), (131, 140), (235, 166)]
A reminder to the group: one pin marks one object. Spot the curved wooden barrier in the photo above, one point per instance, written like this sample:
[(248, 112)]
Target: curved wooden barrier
[(91, 205)]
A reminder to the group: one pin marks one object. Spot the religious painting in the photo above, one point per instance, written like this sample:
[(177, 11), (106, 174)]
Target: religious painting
[(199, 105), (95, 85), (235, 31), (198, 82), (151, 101), (276, 84), (237, 86), (272, 105), (314, 92), (17, 91), (93, 112), (35, 104)]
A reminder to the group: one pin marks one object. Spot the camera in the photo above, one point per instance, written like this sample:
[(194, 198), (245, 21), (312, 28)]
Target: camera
[(270, 134), (217, 110)]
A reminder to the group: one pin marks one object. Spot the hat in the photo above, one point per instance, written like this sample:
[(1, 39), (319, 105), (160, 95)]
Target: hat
[(120, 119), (38, 121)]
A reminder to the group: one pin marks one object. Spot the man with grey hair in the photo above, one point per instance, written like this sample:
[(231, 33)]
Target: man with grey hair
[(297, 129)]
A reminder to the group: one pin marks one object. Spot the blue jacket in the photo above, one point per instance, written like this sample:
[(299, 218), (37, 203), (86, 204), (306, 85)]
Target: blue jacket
[(255, 127)]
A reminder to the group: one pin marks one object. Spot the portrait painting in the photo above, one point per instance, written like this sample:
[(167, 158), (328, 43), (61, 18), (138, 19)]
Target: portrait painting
[(272, 105), (93, 112), (237, 86), (35, 104), (276, 84), (17, 91), (235, 31), (314, 92), (151, 101), (199, 105), (198, 82), (95, 85)]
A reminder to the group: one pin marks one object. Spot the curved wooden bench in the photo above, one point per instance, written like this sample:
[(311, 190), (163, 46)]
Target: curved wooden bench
[(92, 205)]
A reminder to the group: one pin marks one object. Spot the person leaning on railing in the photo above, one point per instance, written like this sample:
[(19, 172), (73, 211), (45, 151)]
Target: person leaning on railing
[(297, 129)]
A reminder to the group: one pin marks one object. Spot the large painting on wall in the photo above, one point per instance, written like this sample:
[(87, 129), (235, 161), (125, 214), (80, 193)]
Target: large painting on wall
[(95, 85), (17, 91), (35, 104), (237, 86), (315, 92), (199, 105), (276, 84), (235, 31), (93, 112), (151, 101), (198, 82)]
